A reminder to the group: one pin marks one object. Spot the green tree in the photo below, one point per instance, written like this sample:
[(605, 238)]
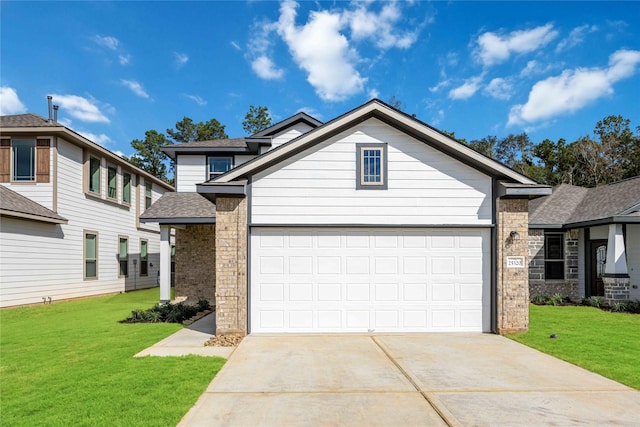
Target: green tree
[(148, 156), (187, 131), (486, 145), (257, 119)]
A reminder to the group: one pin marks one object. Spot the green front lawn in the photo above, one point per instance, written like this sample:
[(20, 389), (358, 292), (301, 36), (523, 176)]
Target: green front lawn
[(602, 342), (71, 364)]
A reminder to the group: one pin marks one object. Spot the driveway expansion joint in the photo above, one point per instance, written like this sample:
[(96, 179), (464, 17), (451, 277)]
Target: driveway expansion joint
[(445, 417)]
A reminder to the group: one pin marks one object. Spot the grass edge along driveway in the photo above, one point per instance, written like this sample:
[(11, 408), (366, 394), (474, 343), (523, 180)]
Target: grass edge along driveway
[(71, 363), (602, 342)]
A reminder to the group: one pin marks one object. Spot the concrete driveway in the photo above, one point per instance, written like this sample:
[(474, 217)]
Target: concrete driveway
[(406, 380)]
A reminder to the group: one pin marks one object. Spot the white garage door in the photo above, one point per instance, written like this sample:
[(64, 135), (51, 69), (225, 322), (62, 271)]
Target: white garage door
[(354, 280)]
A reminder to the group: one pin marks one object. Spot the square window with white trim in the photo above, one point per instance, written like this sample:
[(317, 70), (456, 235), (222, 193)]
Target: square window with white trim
[(371, 166)]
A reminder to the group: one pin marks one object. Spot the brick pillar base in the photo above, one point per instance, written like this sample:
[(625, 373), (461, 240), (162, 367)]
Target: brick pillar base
[(616, 289)]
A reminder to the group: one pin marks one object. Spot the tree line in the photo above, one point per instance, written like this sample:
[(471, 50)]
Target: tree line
[(612, 154)]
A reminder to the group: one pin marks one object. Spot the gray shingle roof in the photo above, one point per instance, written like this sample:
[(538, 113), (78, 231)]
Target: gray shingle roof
[(177, 208), (214, 143), (14, 204), (570, 204), (25, 121)]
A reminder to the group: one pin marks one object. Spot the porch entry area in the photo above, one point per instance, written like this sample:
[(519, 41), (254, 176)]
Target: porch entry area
[(598, 258)]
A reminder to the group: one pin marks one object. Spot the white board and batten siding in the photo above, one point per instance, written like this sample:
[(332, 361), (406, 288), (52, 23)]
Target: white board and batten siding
[(318, 186), (314, 270), (46, 260)]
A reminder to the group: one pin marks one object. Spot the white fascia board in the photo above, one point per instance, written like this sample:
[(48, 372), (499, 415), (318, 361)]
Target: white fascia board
[(285, 150)]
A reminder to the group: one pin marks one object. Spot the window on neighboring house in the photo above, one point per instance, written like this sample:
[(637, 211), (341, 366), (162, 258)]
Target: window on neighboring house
[(94, 175), (24, 160), (123, 256), (112, 182), (126, 188), (371, 166), (553, 256), (219, 165), (144, 258), (90, 255), (147, 195)]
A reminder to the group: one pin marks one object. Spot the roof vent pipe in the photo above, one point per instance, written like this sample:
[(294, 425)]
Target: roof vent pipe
[(50, 100), (55, 114)]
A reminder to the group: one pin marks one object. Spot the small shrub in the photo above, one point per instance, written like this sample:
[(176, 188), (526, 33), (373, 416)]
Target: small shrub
[(540, 300), (597, 302), (619, 307), (633, 306), (171, 313), (203, 305), (556, 300)]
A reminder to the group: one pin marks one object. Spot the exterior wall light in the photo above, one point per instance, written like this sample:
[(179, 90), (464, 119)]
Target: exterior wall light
[(514, 235)]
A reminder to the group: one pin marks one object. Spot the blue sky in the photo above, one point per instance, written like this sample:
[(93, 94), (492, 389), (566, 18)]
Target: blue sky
[(120, 68)]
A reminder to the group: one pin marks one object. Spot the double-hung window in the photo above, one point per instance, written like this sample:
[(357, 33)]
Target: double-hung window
[(144, 258), (148, 195), (94, 175), (90, 255), (24, 160), (126, 188), (112, 182), (554, 256), (371, 166), (123, 256), (219, 165)]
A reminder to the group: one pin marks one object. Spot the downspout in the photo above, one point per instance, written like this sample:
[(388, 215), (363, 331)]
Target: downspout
[(494, 258)]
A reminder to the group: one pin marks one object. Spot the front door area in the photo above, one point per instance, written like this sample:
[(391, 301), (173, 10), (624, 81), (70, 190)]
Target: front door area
[(598, 256)]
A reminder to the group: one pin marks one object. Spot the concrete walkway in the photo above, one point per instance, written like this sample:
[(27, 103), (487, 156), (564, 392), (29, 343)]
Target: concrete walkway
[(189, 340), (406, 380)]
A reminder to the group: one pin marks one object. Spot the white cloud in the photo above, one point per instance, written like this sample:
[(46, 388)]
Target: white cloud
[(124, 59), (437, 119), (119, 153), (319, 48), (180, 58), (100, 139), (107, 41), (235, 45), (380, 27), (575, 37), (310, 111), (440, 85), (80, 108), (374, 93), (136, 88), (198, 100), (499, 88), (494, 48), (10, 102), (574, 89), (467, 89), (264, 67)]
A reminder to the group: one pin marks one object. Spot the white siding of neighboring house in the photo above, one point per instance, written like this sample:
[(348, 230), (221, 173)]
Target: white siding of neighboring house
[(318, 186), (190, 170), (633, 258), (46, 260), (289, 134)]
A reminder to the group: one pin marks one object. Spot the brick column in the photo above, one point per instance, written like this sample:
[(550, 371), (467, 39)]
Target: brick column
[(231, 266), (512, 282)]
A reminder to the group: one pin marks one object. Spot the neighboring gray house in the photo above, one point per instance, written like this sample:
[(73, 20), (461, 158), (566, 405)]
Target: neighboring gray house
[(69, 213), (586, 241), (373, 221)]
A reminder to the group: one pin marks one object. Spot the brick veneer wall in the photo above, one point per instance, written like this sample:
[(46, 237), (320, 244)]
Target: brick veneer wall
[(537, 283), (231, 266), (195, 263), (512, 283)]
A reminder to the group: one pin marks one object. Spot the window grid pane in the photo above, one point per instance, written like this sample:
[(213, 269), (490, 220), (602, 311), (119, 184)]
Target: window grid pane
[(372, 166), (126, 188), (94, 175), (219, 165), (90, 256), (147, 195), (112, 178), (24, 160)]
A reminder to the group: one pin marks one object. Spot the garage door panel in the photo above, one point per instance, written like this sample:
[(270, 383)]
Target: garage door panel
[(315, 280)]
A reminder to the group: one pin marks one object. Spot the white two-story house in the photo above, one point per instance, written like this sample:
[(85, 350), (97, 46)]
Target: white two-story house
[(69, 216), (372, 221)]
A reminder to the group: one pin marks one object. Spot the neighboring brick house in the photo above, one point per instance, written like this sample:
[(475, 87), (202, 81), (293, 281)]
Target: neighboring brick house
[(69, 211), (373, 221), (586, 242)]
